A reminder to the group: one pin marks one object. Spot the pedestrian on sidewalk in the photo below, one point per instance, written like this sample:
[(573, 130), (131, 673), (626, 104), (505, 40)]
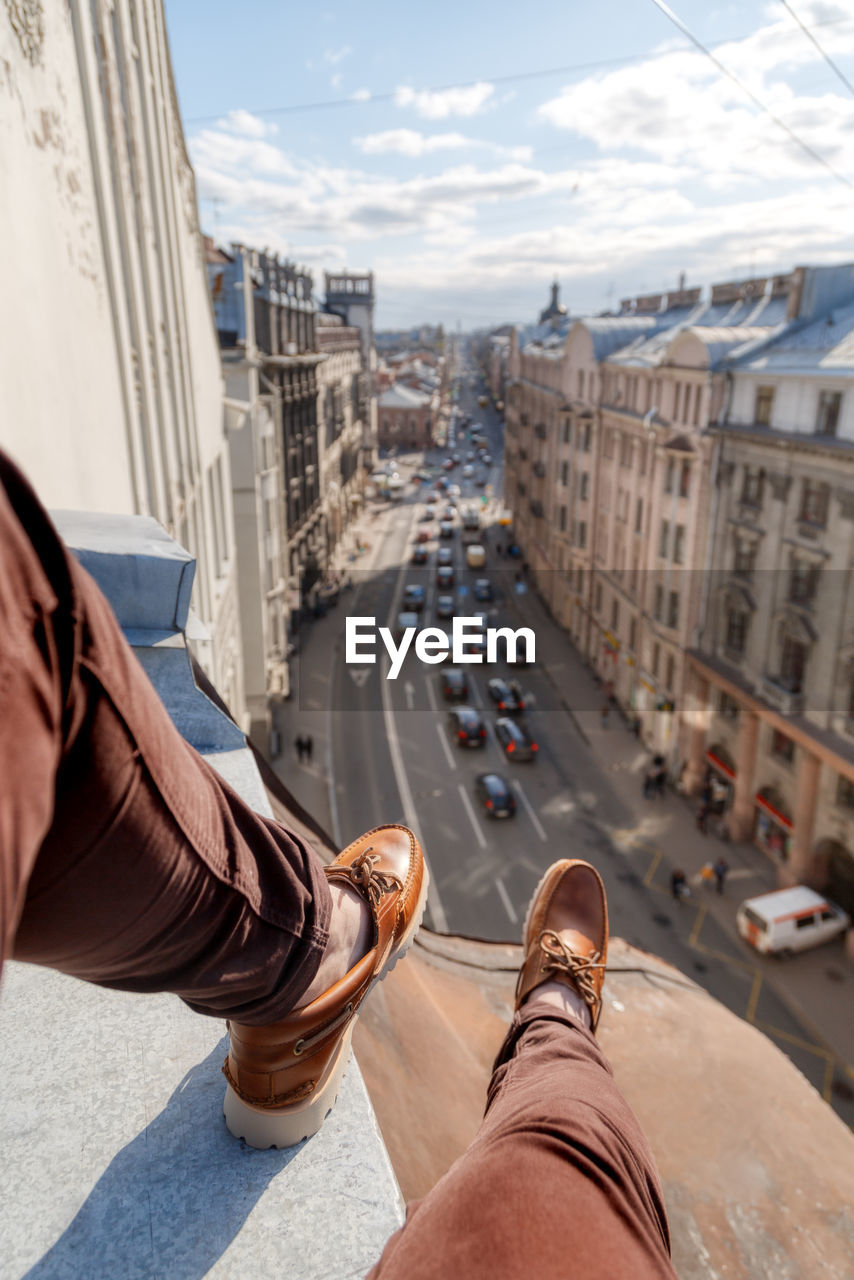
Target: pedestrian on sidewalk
[(648, 785), (308, 743), (678, 885), (707, 875), (299, 743), (661, 781), (702, 818), (720, 868), (604, 714)]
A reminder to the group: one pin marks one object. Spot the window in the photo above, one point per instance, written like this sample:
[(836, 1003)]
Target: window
[(845, 793), (642, 460), (829, 404), (805, 922), (656, 658), (793, 661), (662, 539), (638, 515), (677, 397), (815, 500), (803, 582), (698, 398), (633, 633), (564, 473), (782, 748), (736, 631), (679, 545), (763, 406), (581, 533), (615, 615), (745, 558), (567, 432), (563, 519), (581, 384), (587, 437), (626, 452), (751, 489), (584, 490), (658, 605), (669, 476), (673, 609), (685, 480), (671, 673), (598, 599), (728, 707)]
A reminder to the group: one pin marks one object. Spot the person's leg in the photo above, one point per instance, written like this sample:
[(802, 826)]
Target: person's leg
[(124, 858), (559, 1179)]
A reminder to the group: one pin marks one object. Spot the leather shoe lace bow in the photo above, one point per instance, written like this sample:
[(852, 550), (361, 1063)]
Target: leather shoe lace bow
[(363, 875), (558, 959)]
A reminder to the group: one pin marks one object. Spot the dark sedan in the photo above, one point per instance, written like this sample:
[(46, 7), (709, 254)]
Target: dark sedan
[(514, 740), (413, 597), (466, 727), (454, 685), (506, 694), (495, 795)]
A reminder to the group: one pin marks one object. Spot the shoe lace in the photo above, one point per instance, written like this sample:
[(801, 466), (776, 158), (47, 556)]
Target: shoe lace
[(557, 958), (364, 876)]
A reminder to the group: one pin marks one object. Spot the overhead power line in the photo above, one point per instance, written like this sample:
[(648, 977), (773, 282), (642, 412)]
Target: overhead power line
[(804, 146), (809, 35), (356, 100)]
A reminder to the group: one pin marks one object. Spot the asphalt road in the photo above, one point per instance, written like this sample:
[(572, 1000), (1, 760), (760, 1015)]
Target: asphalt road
[(393, 759)]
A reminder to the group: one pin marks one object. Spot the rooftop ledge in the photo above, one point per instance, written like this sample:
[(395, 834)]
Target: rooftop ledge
[(116, 1159)]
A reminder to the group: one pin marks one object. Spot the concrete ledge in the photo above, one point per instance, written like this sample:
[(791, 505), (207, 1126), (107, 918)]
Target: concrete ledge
[(116, 1159)]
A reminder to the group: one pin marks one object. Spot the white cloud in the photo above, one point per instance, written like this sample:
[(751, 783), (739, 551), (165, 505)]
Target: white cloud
[(361, 95), (336, 81), (409, 142), (333, 56), (248, 126), (438, 104)]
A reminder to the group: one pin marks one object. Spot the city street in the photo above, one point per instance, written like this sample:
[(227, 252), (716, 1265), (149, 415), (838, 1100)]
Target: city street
[(385, 751)]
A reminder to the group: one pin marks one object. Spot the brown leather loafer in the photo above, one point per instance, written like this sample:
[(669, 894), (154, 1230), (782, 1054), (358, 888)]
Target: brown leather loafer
[(566, 934), (283, 1079)]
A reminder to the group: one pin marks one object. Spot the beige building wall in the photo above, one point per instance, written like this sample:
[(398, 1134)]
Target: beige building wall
[(110, 388)]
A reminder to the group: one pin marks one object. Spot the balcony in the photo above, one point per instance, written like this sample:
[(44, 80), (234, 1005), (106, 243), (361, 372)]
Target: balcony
[(541, 430), (523, 455), (540, 469), (787, 701), (536, 509)]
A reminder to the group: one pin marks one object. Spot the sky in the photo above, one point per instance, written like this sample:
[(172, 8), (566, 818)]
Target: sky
[(470, 153)]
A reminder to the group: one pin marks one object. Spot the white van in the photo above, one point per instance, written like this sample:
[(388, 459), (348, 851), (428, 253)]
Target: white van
[(790, 920), (475, 556)]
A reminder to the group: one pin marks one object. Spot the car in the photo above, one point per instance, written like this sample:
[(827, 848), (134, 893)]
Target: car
[(445, 577), (468, 471), (449, 512), (445, 606), (423, 535), (427, 516), (475, 556), (444, 556), (446, 529), (482, 589), (454, 685), (413, 597), (487, 459), (495, 795), (405, 619), (441, 484), (466, 727), (506, 694), (470, 456), (456, 457), (481, 479), (419, 554), (432, 497), (449, 464), (454, 491), (514, 740)]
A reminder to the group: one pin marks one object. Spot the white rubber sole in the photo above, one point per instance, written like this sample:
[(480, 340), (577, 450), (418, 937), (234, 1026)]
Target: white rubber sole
[(262, 1127)]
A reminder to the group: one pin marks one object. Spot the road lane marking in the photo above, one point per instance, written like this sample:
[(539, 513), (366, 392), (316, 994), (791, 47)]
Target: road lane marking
[(505, 898), (754, 997), (698, 925), (431, 693), (469, 808), (653, 867), (449, 755), (538, 826), (475, 693), (434, 902)]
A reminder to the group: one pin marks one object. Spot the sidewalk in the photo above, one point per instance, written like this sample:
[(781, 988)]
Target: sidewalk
[(814, 983)]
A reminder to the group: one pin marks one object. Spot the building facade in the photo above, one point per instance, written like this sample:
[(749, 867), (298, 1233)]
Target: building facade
[(405, 418), (343, 424), (771, 708), (105, 264)]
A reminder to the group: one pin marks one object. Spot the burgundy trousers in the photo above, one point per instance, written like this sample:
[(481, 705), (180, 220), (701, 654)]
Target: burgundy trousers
[(125, 860)]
